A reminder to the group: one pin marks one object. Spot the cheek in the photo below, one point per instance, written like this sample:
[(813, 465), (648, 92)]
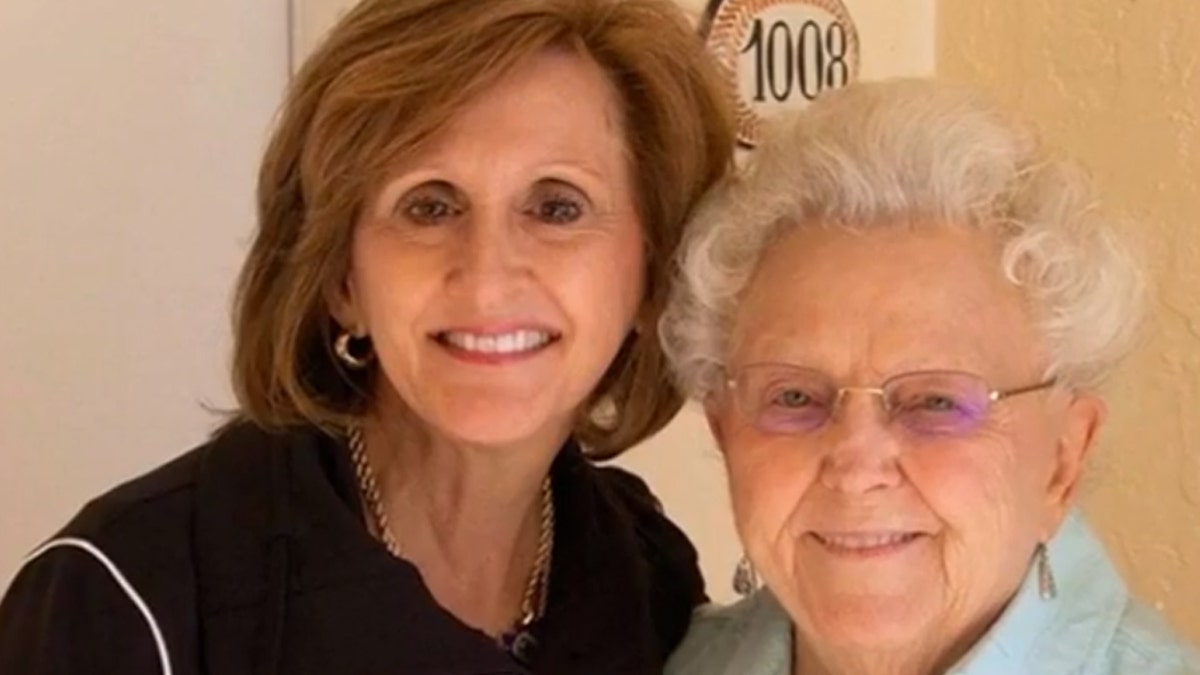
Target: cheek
[(390, 281), (601, 293), (393, 287), (617, 268), (769, 478), (971, 489), (1001, 481), (600, 286), (984, 498)]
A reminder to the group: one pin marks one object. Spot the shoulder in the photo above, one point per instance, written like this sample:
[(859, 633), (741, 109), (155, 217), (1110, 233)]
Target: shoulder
[(146, 517), (750, 637), (1143, 644), (121, 572), (626, 489), (1094, 626), (215, 498), (162, 497), (112, 576), (712, 636), (133, 528), (665, 547), (1118, 634), (627, 498), (670, 553), (663, 570)]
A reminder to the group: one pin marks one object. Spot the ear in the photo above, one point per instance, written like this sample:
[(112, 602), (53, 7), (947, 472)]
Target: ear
[(713, 414), (343, 306), (1084, 416)]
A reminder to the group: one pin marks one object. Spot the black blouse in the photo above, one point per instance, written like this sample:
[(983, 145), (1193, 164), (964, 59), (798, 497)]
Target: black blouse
[(248, 555)]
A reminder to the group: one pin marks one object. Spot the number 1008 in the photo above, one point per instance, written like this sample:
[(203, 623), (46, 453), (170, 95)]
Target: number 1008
[(808, 61)]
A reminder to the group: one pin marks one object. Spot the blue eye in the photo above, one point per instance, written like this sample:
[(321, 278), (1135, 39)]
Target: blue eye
[(937, 403), (925, 399), (793, 398)]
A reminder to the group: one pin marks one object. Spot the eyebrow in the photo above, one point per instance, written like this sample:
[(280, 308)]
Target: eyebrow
[(587, 169)]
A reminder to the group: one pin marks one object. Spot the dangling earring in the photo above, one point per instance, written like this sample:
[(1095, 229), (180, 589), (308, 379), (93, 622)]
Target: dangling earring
[(344, 349), (745, 577), (1047, 589)]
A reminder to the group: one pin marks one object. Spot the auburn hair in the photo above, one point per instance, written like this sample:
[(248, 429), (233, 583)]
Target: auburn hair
[(387, 77)]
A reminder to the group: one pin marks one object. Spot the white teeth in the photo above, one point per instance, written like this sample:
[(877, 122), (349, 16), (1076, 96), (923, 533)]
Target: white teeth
[(504, 343), (865, 541)]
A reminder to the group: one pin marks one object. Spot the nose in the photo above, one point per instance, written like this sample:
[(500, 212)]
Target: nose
[(491, 257), (860, 453)]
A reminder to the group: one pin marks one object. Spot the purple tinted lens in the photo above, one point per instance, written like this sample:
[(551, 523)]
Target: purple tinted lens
[(944, 423), (777, 420), (783, 399), (939, 405)]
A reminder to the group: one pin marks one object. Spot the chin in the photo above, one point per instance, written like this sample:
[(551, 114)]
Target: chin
[(498, 423), (869, 623)]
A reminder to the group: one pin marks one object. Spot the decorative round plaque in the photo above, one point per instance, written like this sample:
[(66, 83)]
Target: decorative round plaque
[(780, 54)]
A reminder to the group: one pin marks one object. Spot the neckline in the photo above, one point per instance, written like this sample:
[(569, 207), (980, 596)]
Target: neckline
[(353, 512), (597, 591)]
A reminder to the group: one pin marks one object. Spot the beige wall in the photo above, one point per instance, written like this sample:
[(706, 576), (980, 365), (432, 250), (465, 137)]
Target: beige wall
[(129, 140), (1117, 84)]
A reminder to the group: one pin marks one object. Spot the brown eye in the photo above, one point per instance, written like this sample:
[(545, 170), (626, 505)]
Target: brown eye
[(429, 211), (430, 204), (559, 211), (557, 203)]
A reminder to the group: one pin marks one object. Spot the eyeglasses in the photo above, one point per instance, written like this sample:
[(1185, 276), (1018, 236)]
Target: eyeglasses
[(784, 399)]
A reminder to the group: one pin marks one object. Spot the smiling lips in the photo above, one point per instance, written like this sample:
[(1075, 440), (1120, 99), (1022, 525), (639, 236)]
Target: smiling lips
[(864, 544), (495, 347)]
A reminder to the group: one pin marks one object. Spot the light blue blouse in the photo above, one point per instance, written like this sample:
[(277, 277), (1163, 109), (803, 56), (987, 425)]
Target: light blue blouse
[(1093, 627)]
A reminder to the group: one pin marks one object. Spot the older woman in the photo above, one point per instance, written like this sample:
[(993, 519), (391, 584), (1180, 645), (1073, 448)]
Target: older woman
[(451, 306), (896, 319)]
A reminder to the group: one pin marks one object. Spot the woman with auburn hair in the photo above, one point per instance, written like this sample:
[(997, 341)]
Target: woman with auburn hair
[(449, 311)]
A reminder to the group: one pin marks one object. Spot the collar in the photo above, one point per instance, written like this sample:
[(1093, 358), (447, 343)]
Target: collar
[(281, 537), (1063, 635), (750, 637), (765, 647)]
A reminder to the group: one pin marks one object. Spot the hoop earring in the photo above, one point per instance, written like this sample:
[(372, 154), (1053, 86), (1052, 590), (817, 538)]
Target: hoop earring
[(745, 577), (344, 349), (1047, 588)]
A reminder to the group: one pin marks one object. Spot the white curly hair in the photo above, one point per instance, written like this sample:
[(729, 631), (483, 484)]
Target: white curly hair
[(911, 151)]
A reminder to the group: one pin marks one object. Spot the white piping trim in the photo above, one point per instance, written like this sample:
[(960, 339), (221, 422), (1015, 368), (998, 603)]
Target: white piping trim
[(71, 542)]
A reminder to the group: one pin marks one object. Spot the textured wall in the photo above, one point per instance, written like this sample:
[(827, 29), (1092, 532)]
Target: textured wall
[(1117, 85)]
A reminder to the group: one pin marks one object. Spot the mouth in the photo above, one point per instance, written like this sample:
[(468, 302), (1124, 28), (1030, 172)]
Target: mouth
[(865, 544), (496, 345)]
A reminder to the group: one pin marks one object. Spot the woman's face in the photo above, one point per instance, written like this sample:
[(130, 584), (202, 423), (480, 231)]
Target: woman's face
[(872, 536), (498, 270)]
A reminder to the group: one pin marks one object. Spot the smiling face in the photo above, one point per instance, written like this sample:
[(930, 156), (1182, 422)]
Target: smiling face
[(872, 536), (499, 268)]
